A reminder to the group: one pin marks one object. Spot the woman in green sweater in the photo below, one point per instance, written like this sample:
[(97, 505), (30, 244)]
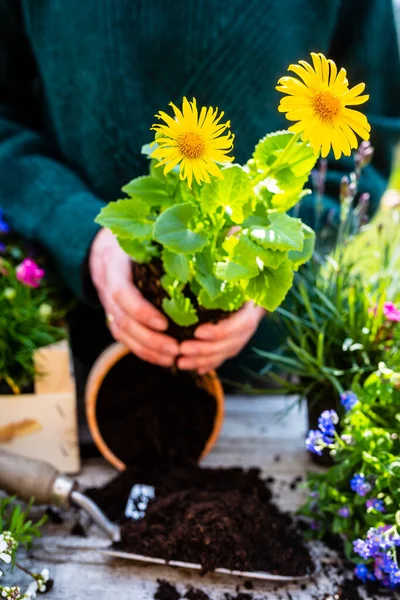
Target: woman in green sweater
[(79, 85)]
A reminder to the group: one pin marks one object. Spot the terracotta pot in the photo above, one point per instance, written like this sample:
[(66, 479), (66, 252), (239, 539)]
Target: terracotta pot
[(101, 368)]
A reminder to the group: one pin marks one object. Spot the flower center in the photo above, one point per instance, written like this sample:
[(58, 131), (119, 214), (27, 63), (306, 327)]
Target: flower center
[(326, 104), (191, 144)]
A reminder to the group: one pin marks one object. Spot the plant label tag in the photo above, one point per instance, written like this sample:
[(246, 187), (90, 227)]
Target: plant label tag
[(138, 501)]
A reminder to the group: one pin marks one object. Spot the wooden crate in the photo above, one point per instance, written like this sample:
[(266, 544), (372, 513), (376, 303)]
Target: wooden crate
[(43, 425)]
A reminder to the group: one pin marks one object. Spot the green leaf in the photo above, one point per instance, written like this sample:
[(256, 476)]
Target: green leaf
[(141, 252), (283, 233), (178, 265), (283, 187), (151, 190), (232, 298), (171, 229), (232, 193), (300, 160), (180, 309), (270, 287), (232, 271), (127, 219), (249, 249), (299, 257), (210, 284)]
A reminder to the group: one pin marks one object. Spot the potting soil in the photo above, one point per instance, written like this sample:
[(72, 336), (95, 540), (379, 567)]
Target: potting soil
[(214, 517), (149, 415)]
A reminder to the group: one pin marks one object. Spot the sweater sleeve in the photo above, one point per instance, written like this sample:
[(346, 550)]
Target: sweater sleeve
[(41, 197), (366, 44)]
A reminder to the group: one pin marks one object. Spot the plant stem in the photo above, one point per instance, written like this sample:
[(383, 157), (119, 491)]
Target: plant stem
[(25, 570)]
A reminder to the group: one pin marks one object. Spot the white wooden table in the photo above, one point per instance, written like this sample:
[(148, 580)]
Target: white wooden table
[(253, 435)]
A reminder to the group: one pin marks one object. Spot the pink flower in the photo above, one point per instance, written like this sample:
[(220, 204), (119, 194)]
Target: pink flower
[(391, 312), (29, 273)]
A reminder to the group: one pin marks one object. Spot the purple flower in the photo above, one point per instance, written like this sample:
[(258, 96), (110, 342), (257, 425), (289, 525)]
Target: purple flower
[(315, 442), (391, 312), (394, 574), (363, 548), (314, 526), (326, 423), (382, 538), (2, 247), (387, 570), (375, 504), (362, 572), (4, 226), (344, 512), (348, 400), (359, 485), (29, 273)]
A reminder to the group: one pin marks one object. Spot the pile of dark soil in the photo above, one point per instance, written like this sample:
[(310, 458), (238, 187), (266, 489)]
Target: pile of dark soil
[(166, 591), (215, 517), (195, 594), (148, 414)]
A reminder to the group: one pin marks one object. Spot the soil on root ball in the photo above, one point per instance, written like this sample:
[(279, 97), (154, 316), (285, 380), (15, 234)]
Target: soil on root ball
[(215, 517), (148, 414), (147, 278)]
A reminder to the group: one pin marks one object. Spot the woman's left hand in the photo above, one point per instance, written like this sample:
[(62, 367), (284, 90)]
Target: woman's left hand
[(214, 344)]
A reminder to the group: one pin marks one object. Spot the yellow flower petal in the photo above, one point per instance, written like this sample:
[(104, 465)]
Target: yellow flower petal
[(194, 140), (333, 75), (316, 58), (318, 101), (325, 69)]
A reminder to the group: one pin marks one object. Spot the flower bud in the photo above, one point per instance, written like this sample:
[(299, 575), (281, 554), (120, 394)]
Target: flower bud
[(9, 293), (45, 311)]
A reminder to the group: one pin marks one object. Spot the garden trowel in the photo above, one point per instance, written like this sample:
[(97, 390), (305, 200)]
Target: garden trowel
[(28, 478)]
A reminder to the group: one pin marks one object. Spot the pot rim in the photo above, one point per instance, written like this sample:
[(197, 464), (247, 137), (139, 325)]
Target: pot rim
[(103, 365)]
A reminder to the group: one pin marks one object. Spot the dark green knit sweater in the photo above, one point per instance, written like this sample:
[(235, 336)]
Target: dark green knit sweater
[(80, 82)]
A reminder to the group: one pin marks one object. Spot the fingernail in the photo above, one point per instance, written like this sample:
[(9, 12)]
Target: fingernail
[(157, 323), (205, 334)]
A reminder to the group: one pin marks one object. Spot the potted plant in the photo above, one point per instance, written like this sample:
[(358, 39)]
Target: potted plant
[(200, 251), (37, 398), (205, 234), (358, 498)]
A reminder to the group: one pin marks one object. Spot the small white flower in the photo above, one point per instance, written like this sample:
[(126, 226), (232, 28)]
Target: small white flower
[(11, 593), (31, 591), (45, 574), (4, 556)]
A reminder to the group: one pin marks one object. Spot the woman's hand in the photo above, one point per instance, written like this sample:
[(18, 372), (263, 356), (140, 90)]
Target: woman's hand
[(216, 343), (131, 319)]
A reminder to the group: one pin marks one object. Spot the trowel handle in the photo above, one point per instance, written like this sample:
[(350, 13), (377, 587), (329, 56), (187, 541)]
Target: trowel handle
[(28, 478)]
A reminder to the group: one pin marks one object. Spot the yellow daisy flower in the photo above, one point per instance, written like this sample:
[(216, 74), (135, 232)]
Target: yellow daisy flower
[(194, 140), (319, 102)]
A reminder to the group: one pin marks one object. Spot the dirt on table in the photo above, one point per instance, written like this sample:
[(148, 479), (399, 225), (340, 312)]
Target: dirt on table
[(148, 414), (166, 591), (196, 594), (215, 517)]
